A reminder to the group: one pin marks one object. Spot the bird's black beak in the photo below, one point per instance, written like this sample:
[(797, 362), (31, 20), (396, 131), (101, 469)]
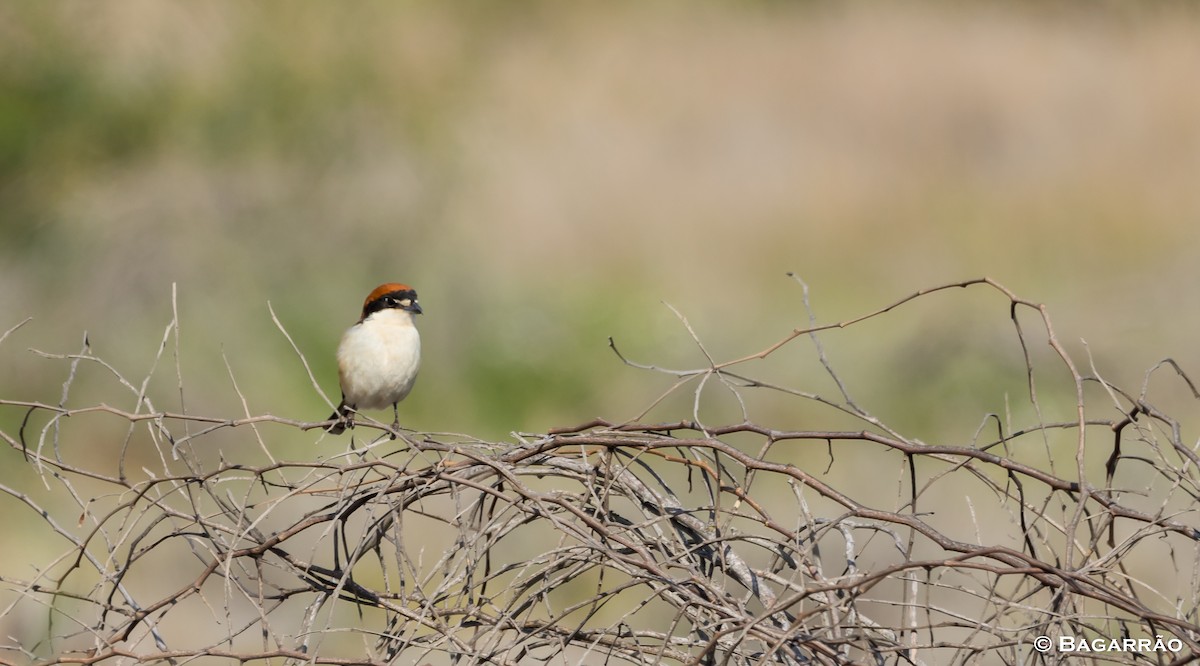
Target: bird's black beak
[(414, 308)]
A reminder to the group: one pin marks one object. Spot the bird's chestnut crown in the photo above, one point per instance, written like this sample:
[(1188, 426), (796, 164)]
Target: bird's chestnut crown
[(391, 295)]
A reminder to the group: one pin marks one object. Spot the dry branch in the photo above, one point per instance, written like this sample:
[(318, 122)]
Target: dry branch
[(639, 543)]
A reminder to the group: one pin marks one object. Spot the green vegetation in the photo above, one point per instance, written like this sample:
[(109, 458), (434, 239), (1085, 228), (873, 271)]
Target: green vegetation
[(548, 177)]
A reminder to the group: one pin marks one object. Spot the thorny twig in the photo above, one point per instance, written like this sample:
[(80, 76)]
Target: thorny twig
[(592, 544)]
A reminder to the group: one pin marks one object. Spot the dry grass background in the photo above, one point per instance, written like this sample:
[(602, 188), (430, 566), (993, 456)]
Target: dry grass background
[(548, 175)]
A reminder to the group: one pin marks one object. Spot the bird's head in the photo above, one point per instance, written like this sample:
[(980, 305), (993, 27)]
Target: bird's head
[(392, 295)]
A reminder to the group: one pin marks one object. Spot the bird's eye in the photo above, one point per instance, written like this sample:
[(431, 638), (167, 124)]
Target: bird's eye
[(390, 300)]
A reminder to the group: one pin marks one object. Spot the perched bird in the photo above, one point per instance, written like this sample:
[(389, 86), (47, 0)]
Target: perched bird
[(379, 356)]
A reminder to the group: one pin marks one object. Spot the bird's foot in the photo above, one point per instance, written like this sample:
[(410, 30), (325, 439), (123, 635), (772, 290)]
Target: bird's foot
[(343, 418)]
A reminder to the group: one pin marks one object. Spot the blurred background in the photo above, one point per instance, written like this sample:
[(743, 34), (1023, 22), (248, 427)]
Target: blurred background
[(548, 175)]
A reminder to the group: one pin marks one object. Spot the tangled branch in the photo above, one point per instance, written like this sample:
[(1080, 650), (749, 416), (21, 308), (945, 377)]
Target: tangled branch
[(633, 542)]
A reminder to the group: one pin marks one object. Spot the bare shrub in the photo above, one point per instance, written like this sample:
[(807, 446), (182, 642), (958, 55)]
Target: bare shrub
[(605, 543)]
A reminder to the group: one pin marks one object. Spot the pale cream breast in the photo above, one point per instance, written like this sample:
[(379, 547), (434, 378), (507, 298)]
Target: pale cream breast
[(378, 360)]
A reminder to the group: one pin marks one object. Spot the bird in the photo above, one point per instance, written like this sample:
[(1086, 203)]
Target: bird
[(379, 356)]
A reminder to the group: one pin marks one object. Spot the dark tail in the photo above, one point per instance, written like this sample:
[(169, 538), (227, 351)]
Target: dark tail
[(344, 416)]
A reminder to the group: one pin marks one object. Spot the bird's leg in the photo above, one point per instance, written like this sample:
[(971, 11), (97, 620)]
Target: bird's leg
[(395, 418), (347, 412), (343, 417)]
